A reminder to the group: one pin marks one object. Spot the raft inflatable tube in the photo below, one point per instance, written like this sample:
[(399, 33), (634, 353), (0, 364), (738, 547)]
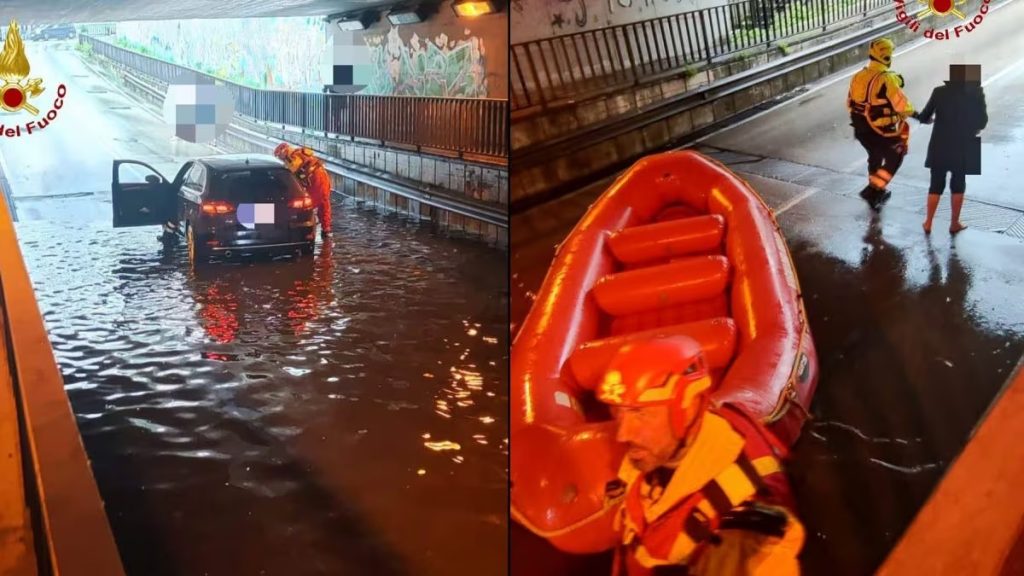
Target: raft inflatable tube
[(677, 245)]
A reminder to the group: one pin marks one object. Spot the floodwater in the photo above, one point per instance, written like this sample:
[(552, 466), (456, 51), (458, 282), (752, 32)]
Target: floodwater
[(915, 337), (340, 414)]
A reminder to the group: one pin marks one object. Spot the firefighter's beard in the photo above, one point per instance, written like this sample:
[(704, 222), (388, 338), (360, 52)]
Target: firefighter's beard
[(649, 458)]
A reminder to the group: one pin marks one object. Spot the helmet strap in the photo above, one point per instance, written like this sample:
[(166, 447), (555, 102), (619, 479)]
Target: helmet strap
[(882, 62), (692, 428)]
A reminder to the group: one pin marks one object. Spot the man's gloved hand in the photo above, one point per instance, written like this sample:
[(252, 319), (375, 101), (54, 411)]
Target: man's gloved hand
[(758, 518)]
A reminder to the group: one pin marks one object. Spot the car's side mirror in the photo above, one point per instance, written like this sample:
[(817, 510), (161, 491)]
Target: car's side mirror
[(153, 179)]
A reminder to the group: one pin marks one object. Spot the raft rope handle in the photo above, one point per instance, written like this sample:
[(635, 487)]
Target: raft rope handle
[(789, 393)]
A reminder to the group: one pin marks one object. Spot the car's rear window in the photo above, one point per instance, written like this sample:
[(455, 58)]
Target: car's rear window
[(256, 185)]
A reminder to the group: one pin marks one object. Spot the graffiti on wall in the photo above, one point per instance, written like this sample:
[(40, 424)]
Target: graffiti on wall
[(443, 57), (536, 19), (441, 66), (272, 53), (580, 15)]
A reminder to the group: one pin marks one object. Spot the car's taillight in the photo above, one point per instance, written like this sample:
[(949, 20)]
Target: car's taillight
[(217, 208), (304, 202)]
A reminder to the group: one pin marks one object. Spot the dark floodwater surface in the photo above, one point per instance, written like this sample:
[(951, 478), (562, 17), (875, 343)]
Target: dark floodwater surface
[(341, 414)]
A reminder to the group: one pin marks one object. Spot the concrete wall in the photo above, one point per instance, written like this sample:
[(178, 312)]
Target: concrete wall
[(273, 53), (535, 180), (445, 56), (458, 177), (537, 125), (537, 19), (579, 43), (475, 181)]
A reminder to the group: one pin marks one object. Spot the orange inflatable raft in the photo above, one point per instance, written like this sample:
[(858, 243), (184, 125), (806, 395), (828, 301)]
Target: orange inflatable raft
[(678, 245)]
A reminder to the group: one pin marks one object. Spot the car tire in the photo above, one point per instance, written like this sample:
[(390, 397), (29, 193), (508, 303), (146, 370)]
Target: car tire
[(197, 256)]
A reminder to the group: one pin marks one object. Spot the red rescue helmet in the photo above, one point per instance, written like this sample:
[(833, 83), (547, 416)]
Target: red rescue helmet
[(665, 371), (282, 150)]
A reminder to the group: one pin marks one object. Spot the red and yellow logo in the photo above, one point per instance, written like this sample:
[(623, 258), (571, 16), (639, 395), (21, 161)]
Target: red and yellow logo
[(17, 89), (14, 69), (936, 11), (942, 8)]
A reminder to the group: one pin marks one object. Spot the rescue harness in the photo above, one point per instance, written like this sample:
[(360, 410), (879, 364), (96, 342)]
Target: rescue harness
[(877, 109)]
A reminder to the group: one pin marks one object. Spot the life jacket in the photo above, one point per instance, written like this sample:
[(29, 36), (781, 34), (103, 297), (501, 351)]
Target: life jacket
[(744, 466), (881, 109), (303, 162)]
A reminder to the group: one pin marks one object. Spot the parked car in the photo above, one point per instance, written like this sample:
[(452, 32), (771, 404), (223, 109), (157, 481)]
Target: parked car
[(228, 205), (54, 32)]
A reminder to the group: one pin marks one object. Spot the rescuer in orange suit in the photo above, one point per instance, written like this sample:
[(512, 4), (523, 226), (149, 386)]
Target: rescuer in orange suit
[(701, 488), (314, 179)]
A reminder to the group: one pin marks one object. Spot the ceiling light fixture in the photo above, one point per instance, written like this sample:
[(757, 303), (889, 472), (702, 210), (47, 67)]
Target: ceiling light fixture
[(358, 21), (410, 14), (474, 8)]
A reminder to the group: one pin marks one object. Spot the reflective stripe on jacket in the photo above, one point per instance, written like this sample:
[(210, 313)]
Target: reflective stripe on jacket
[(729, 464), (876, 93)]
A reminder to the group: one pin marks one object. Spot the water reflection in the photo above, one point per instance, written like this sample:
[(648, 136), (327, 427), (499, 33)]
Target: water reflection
[(299, 291), (914, 335), (907, 371), (267, 416)]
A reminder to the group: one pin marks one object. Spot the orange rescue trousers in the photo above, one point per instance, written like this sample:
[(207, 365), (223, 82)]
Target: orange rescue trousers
[(319, 189)]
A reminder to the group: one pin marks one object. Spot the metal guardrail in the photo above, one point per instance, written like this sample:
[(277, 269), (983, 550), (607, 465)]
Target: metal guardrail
[(462, 125), (427, 194), (542, 152), (544, 71)]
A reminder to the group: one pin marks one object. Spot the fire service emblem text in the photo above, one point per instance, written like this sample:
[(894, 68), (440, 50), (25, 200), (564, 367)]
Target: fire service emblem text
[(947, 16)]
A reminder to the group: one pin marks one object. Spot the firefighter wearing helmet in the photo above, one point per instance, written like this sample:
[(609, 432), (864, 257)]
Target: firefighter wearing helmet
[(313, 177), (701, 488), (878, 113)]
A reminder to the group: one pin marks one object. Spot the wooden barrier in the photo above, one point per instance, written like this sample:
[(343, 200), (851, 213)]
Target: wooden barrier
[(973, 522), (72, 528)]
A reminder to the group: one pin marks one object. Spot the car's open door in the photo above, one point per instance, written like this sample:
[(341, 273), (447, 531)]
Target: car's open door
[(141, 200)]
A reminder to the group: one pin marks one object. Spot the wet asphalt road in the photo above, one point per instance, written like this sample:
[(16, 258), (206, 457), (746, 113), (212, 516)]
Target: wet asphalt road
[(340, 414), (815, 129), (915, 335)]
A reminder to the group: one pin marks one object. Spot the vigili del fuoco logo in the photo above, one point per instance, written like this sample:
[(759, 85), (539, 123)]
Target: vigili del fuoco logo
[(18, 90), (950, 21)]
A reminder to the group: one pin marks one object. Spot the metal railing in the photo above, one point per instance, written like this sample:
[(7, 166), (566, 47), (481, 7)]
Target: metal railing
[(551, 69), (488, 212), (474, 126), (541, 153)]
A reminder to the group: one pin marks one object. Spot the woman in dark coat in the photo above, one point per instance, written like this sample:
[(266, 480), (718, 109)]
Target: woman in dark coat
[(960, 115)]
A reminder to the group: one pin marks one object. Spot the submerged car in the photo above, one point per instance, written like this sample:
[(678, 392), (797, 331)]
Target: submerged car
[(233, 204)]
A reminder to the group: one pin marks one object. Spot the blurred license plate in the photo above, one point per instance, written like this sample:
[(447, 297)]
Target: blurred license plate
[(249, 215)]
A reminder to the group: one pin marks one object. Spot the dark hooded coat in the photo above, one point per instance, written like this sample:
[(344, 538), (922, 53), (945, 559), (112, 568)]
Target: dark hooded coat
[(960, 113)]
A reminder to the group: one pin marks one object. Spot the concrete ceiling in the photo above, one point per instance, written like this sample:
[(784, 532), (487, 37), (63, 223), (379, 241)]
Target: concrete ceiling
[(34, 12)]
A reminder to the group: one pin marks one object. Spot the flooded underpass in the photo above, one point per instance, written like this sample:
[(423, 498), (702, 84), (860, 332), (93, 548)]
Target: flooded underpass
[(915, 337), (916, 334), (338, 414)]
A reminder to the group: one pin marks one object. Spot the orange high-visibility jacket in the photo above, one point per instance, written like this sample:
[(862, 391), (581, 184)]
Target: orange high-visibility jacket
[(731, 461), (876, 93)]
